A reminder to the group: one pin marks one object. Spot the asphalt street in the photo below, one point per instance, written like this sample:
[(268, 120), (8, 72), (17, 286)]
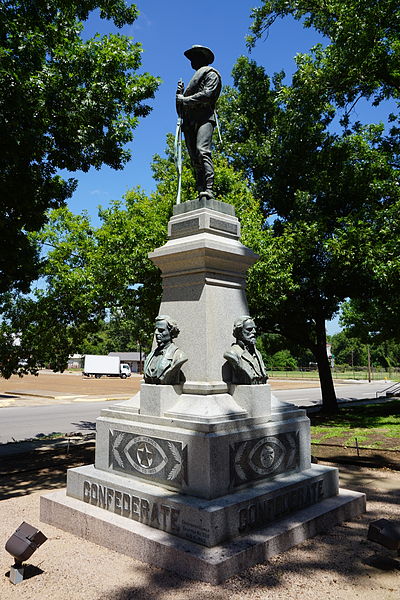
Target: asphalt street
[(344, 392), (20, 423)]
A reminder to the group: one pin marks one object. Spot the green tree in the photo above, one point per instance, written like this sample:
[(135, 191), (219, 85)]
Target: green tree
[(374, 317), (323, 195), (348, 350), (87, 273), (65, 103), (271, 344), (282, 361), (386, 355), (362, 56), (118, 333), (360, 61), (354, 351)]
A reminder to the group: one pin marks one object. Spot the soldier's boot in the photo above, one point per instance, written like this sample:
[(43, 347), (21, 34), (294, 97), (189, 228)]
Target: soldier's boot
[(208, 191)]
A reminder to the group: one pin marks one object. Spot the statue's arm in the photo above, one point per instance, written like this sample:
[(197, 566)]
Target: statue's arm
[(210, 88), (179, 97)]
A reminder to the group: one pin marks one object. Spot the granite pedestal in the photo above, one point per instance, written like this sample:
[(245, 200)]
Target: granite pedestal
[(204, 478)]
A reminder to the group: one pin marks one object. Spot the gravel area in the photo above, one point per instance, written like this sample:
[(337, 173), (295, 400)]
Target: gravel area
[(339, 565)]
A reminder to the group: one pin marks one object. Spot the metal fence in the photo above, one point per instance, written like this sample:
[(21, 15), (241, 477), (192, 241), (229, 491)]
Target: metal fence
[(358, 373)]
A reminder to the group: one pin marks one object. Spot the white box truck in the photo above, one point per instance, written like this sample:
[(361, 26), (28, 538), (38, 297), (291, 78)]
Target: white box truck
[(111, 366)]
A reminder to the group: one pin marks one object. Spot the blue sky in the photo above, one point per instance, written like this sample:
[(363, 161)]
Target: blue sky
[(166, 30)]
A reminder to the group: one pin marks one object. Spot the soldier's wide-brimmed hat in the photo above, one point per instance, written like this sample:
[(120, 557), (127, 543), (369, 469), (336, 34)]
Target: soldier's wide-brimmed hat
[(202, 50)]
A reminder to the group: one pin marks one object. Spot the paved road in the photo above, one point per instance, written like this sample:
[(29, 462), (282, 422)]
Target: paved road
[(344, 392), (19, 423)]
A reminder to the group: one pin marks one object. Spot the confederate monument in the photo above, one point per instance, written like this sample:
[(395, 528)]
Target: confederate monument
[(200, 473), (196, 106)]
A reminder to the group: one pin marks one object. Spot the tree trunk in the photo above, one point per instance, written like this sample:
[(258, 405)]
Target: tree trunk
[(329, 402)]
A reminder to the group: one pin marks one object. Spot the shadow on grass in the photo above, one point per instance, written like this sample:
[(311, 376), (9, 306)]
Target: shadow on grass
[(370, 458)]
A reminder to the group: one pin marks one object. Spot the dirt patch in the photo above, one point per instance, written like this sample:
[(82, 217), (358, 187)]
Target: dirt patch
[(349, 455), (70, 383), (374, 440)]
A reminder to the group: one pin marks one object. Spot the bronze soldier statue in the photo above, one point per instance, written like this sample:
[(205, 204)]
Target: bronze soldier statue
[(196, 106)]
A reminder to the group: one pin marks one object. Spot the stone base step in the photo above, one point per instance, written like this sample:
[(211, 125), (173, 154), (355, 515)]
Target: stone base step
[(188, 559)]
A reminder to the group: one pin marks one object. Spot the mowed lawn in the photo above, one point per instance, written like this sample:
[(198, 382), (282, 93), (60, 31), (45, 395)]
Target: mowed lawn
[(373, 425)]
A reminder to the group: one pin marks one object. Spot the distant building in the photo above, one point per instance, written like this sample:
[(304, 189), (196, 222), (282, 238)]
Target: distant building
[(131, 358)]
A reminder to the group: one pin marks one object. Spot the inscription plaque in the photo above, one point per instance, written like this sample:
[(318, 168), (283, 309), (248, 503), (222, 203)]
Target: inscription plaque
[(195, 533), (184, 226), (223, 225), (202, 525)]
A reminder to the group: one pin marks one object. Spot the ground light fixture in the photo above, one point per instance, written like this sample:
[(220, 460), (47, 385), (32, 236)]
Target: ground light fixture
[(21, 545), (386, 533)]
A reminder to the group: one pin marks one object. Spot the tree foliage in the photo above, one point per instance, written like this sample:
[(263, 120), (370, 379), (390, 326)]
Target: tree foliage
[(65, 103), (362, 56), (88, 272), (325, 197), (351, 351), (360, 60), (281, 354), (327, 184)]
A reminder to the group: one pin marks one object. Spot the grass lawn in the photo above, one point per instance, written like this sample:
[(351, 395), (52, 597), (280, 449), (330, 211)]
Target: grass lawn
[(374, 426)]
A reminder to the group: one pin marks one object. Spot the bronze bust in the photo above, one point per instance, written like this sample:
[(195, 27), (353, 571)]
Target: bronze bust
[(246, 363), (163, 364)]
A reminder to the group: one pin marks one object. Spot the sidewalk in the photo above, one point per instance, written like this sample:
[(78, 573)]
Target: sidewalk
[(48, 398)]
